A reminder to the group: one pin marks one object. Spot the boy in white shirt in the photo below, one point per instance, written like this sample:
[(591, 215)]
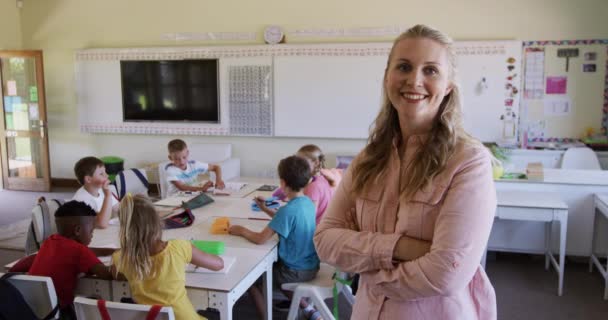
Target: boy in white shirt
[(95, 190), (183, 174)]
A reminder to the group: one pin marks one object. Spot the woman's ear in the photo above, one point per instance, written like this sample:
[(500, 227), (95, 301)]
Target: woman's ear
[(449, 88)]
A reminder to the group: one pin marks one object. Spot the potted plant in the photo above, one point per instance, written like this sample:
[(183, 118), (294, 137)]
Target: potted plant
[(500, 156)]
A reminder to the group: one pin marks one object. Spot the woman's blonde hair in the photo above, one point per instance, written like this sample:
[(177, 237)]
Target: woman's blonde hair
[(140, 228), (446, 132), (313, 153)]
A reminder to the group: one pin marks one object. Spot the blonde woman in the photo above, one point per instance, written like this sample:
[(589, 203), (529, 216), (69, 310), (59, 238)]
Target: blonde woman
[(155, 268), (414, 211)]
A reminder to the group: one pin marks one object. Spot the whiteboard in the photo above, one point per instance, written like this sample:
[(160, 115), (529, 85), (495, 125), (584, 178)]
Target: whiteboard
[(338, 96), (327, 96)]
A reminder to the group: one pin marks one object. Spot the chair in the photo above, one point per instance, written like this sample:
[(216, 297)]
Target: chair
[(132, 181), (42, 225), (162, 179), (318, 289), (90, 309), (38, 292), (580, 158)]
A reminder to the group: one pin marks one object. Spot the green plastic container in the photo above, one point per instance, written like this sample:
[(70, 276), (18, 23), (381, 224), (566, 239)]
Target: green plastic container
[(113, 165), (211, 247)]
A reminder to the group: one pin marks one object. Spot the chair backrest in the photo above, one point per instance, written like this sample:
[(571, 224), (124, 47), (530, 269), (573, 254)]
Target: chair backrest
[(42, 225), (162, 179), (132, 181), (38, 292), (580, 158), (88, 309)]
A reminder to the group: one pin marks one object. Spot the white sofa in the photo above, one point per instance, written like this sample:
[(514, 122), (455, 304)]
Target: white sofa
[(213, 153)]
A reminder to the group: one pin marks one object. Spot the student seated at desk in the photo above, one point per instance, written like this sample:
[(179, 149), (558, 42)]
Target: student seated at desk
[(156, 269), (95, 190), (65, 255), (183, 174), (295, 224), (319, 189)]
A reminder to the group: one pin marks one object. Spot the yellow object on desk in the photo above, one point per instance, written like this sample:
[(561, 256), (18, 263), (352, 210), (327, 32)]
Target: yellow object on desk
[(220, 226)]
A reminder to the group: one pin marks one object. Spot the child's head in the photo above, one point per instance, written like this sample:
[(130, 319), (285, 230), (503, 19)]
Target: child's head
[(90, 171), (294, 171), (178, 153), (314, 155), (140, 228), (76, 220)]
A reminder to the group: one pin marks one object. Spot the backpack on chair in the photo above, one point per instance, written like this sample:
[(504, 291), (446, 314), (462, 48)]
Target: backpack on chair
[(13, 304), (42, 225)]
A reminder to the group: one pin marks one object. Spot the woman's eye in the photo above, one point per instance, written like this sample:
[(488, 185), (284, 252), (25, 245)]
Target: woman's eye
[(404, 67), (431, 71)]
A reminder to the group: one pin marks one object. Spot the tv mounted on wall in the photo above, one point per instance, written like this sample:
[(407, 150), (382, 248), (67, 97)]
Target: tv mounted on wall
[(170, 90)]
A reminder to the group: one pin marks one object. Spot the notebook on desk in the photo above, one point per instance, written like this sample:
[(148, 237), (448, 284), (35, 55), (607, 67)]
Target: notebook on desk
[(229, 188), (176, 200)]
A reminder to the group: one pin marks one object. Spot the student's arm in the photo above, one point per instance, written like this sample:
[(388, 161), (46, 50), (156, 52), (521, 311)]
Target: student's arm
[(261, 202), (184, 187), (219, 183), (205, 260), (101, 271), (255, 237), (117, 275), (101, 252), (104, 214)]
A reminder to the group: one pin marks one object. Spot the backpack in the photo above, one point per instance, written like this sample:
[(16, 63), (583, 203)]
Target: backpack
[(13, 305), (41, 226)]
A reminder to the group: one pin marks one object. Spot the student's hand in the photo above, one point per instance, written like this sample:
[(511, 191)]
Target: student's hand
[(261, 202), (219, 184), (206, 186), (106, 187), (236, 230)]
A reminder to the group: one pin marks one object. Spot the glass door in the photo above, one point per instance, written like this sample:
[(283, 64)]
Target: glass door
[(23, 131)]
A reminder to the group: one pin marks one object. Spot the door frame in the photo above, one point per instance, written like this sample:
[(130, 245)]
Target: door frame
[(29, 184)]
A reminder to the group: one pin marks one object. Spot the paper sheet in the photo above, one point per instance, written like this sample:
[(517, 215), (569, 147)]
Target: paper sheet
[(228, 262)]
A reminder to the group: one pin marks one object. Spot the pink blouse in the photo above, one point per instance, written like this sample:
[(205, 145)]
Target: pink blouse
[(455, 213)]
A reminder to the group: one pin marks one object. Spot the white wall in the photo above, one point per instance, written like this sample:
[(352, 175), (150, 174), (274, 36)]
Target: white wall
[(60, 27), (10, 26)]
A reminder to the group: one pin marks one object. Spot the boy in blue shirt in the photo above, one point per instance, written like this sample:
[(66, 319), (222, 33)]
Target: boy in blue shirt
[(295, 225)]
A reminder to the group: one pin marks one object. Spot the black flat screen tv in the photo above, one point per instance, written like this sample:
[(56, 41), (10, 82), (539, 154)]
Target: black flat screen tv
[(170, 90)]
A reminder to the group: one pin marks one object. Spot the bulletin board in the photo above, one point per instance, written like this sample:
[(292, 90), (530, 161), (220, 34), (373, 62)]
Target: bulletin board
[(565, 89)]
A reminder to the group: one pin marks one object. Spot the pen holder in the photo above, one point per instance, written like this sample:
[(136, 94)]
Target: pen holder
[(211, 247)]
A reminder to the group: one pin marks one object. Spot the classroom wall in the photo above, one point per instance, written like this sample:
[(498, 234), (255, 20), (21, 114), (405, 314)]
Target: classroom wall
[(10, 25), (60, 27)]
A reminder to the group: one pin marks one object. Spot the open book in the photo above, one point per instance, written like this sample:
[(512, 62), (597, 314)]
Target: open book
[(228, 262)]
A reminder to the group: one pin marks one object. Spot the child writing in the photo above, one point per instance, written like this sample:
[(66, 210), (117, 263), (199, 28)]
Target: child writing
[(319, 189), (65, 254), (156, 269), (95, 190), (295, 225), (183, 174)]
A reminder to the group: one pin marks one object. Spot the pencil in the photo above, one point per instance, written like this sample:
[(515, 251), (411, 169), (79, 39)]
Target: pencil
[(263, 219)]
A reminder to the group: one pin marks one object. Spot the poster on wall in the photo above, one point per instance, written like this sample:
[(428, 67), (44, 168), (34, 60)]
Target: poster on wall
[(557, 84), (557, 106)]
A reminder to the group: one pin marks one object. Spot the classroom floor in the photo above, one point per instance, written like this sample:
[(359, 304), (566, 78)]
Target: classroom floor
[(524, 289)]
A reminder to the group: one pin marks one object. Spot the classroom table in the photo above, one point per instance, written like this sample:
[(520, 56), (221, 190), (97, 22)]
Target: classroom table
[(215, 290), (601, 206), (540, 207)]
